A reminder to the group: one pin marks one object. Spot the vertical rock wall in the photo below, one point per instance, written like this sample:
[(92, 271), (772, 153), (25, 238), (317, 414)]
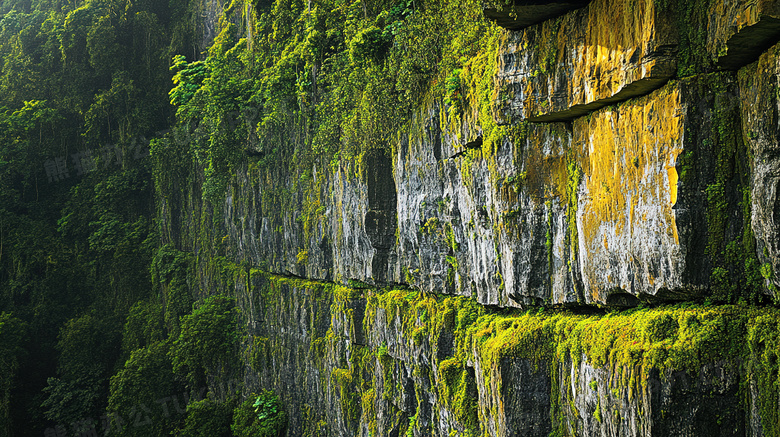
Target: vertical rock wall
[(395, 362), (613, 206), (758, 91), (642, 204), (619, 164)]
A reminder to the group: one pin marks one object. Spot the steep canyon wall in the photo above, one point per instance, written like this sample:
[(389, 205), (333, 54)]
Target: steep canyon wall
[(466, 278)]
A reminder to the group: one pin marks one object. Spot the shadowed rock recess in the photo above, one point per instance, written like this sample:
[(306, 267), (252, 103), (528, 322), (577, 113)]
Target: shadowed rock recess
[(566, 246), (516, 15)]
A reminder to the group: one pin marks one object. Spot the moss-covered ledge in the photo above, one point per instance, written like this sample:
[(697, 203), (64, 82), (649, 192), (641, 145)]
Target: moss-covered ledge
[(396, 361)]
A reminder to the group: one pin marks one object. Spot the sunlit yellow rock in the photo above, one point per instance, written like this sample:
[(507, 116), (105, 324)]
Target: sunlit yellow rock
[(641, 215), (613, 50), (739, 31), (609, 51)]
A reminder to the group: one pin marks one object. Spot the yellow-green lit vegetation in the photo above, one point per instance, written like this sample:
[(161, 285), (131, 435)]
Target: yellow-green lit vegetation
[(320, 84), (454, 383), (630, 344)]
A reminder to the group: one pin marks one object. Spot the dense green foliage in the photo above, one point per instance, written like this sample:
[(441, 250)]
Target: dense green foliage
[(88, 347), (83, 85), (12, 333), (207, 418), (146, 398), (207, 342), (260, 416), (319, 81)]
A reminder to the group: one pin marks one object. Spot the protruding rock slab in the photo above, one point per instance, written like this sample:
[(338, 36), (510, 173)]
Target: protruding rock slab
[(519, 14), (758, 83), (613, 50), (609, 51), (739, 31), (641, 215)]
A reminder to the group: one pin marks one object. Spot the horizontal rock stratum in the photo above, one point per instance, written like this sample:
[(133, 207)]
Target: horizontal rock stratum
[(567, 67), (638, 200), (596, 211), (389, 361)]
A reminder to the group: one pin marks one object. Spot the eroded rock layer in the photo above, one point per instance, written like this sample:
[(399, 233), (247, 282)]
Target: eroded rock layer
[(595, 211), (395, 362), (641, 200), (517, 15), (761, 126), (740, 31), (642, 203), (567, 67), (564, 68)]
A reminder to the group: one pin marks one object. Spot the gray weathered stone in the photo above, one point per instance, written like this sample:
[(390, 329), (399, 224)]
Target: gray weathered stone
[(760, 105)]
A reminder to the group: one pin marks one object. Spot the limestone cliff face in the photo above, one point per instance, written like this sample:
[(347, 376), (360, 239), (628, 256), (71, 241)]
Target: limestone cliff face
[(760, 124), (641, 207), (630, 156), (569, 66), (616, 205), (610, 51), (359, 362)]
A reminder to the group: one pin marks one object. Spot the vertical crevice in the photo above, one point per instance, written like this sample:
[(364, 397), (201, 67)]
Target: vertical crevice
[(381, 219)]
